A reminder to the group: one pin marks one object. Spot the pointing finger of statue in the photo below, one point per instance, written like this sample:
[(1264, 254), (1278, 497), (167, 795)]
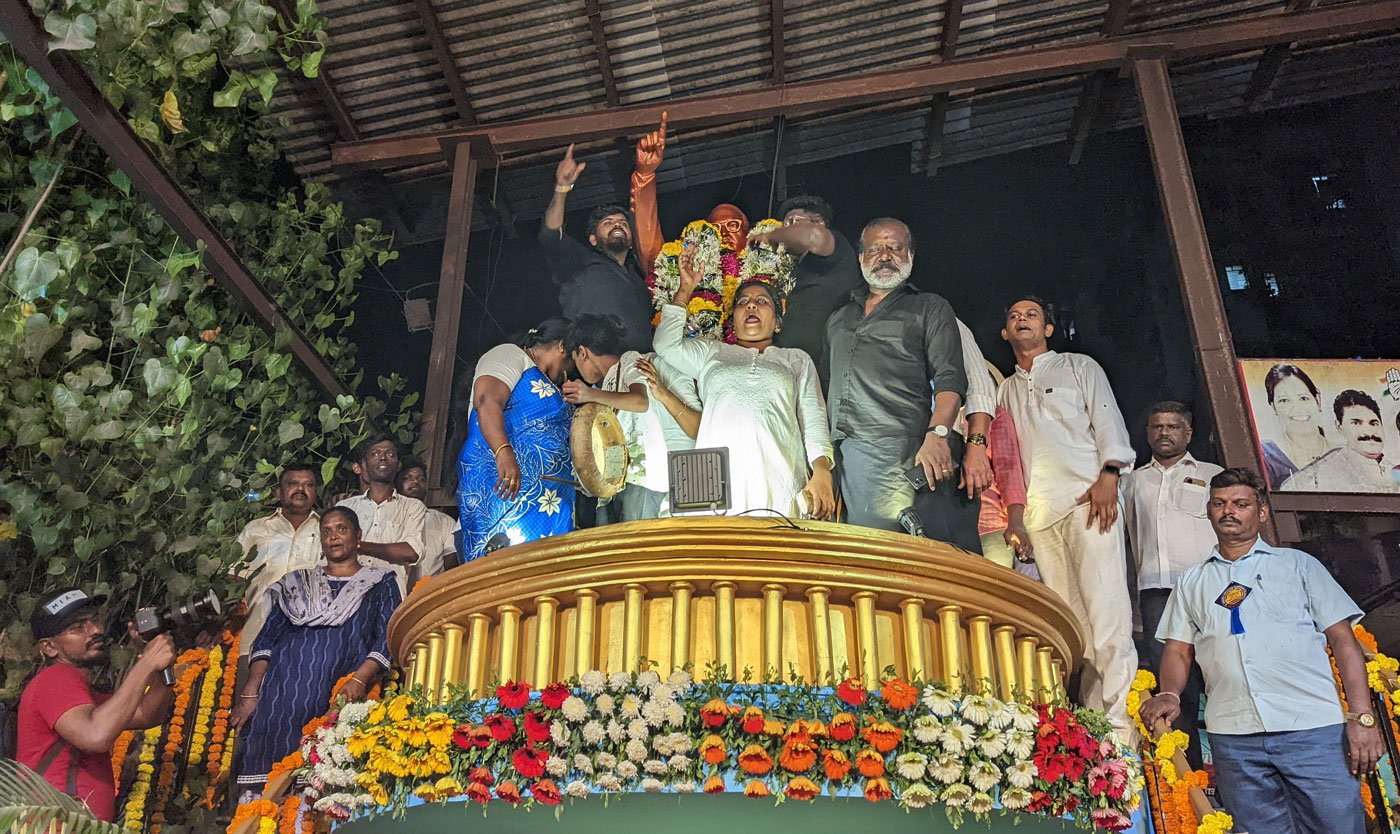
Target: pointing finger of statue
[(662, 129)]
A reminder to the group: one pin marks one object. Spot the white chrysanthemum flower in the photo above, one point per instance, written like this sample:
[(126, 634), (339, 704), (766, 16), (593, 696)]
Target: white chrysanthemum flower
[(559, 733), (662, 745), (976, 710), (609, 782), (1020, 744), (631, 705), (680, 742), (653, 712), (681, 680), (992, 743), (917, 795), (616, 732), (1002, 715), (637, 729), (663, 693), (675, 714), (957, 795), (911, 765), (679, 762), (685, 787), (654, 766), (592, 682), (354, 713), (606, 761), (593, 733), (938, 701), (556, 766), (980, 803), (1024, 718), (605, 704), (582, 763), (619, 681), (574, 709), (578, 789), (1021, 774), (636, 750), (983, 775), (651, 785), (927, 729), (958, 738), (648, 679), (626, 770), (946, 769), (1014, 799)]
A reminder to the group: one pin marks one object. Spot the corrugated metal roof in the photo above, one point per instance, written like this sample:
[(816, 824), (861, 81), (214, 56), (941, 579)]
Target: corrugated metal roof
[(530, 58)]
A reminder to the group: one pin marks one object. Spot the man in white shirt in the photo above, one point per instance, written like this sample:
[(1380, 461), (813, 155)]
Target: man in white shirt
[(276, 545), (1164, 507), (439, 528), (391, 524), (1073, 446)]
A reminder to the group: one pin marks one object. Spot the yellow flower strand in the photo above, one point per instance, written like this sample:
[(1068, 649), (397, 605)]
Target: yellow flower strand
[(204, 711), (141, 785)]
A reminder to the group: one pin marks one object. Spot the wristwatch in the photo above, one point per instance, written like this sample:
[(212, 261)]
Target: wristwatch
[(1112, 470), (975, 439), (1365, 719), (939, 430)]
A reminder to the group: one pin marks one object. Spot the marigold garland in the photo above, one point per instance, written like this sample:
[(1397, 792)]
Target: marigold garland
[(290, 820), (135, 812), (205, 709), (119, 750), (265, 809), (218, 733), (192, 664)]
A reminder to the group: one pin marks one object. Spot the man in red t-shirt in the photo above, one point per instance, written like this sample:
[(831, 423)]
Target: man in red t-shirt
[(66, 730)]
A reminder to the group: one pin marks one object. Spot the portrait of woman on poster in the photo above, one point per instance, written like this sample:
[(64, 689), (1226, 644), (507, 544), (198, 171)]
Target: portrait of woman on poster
[(1298, 406)]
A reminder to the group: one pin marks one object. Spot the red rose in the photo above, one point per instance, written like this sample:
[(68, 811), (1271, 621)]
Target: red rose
[(502, 728), (482, 775), (546, 792), (852, 691), (462, 737), (479, 792), (529, 762), (513, 695), (553, 696), (509, 792), (536, 728)]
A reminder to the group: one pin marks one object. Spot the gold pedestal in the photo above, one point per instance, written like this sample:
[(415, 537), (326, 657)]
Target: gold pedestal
[(726, 595)]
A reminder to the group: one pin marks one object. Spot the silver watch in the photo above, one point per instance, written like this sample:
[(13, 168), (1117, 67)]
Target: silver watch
[(939, 430)]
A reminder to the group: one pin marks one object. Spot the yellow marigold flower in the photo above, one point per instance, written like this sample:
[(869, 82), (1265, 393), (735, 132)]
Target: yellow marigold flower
[(398, 708), (439, 727), (1144, 680), (376, 714), (672, 249)]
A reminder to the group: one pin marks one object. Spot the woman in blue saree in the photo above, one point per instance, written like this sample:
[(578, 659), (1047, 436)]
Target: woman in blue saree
[(514, 474)]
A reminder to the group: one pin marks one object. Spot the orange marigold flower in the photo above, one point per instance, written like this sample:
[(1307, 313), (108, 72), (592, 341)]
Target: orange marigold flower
[(883, 736), (802, 788), (798, 754), (479, 792), (870, 763), (877, 790), (836, 765), (713, 749), (714, 784), (899, 693), (755, 760), (755, 789), (843, 726), (714, 713), (753, 721)]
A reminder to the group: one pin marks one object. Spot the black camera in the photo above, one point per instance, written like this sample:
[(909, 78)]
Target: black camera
[(194, 611)]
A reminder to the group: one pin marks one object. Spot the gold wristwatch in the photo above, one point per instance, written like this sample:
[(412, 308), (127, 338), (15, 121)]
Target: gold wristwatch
[(1365, 719)]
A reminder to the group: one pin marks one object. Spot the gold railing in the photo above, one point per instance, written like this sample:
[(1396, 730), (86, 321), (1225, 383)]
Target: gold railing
[(726, 596)]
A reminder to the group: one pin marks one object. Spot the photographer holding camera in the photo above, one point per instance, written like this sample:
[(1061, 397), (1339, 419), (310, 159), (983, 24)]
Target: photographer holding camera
[(66, 727)]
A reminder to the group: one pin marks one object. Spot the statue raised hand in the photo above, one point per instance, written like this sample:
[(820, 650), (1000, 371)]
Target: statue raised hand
[(651, 149)]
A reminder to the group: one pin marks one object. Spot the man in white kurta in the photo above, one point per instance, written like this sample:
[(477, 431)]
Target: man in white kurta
[(439, 528), (275, 545), (1073, 445)]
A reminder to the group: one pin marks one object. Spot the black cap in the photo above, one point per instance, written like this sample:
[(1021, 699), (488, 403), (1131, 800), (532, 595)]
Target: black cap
[(59, 610)]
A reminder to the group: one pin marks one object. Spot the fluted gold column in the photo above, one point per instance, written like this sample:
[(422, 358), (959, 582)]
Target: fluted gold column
[(1057, 678), (410, 668), (1045, 670), (819, 602), (478, 653), (420, 664), (979, 647), (865, 637), (950, 636), (724, 629), (433, 680), (1004, 644), (681, 592), (451, 656), (585, 633), (1025, 667), (912, 612), (773, 631), (546, 607), (634, 596), (510, 642)]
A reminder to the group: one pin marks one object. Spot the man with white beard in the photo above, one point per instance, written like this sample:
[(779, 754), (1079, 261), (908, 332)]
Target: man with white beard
[(887, 346)]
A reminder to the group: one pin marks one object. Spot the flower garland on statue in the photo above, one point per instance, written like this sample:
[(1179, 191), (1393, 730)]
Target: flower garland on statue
[(1380, 668), (220, 754), (135, 811), (205, 708), (1171, 793), (600, 734), (192, 664)]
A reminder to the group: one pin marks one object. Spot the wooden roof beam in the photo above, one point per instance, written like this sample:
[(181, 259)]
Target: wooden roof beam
[(825, 95), (432, 27), (321, 85), (1091, 96), (777, 38), (600, 46), (938, 108), (1271, 61), (66, 77)]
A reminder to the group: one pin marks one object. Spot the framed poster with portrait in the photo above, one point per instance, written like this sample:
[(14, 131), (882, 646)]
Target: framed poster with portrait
[(1326, 425)]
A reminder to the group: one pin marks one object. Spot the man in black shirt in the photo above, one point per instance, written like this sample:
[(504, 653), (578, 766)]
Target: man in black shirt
[(887, 345), (826, 272), (603, 277)]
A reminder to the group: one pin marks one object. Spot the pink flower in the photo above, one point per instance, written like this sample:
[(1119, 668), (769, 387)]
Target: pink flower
[(1110, 819)]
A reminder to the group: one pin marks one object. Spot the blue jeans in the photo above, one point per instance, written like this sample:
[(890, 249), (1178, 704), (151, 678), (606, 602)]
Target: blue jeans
[(1294, 782)]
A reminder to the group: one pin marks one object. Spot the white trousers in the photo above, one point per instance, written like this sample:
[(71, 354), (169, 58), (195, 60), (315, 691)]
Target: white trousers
[(1088, 569)]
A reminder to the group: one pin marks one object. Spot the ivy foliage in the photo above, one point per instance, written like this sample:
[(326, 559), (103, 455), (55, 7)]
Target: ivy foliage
[(142, 414)]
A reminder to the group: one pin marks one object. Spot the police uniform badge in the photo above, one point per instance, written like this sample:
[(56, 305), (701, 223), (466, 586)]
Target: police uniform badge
[(1231, 599)]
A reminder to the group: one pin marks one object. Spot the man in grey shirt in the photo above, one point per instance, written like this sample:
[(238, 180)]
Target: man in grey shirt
[(887, 345)]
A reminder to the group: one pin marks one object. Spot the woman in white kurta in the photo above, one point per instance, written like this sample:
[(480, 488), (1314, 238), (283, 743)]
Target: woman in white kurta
[(763, 403)]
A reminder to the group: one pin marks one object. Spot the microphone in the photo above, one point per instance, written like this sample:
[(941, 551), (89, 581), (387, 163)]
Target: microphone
[(910, 521)]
